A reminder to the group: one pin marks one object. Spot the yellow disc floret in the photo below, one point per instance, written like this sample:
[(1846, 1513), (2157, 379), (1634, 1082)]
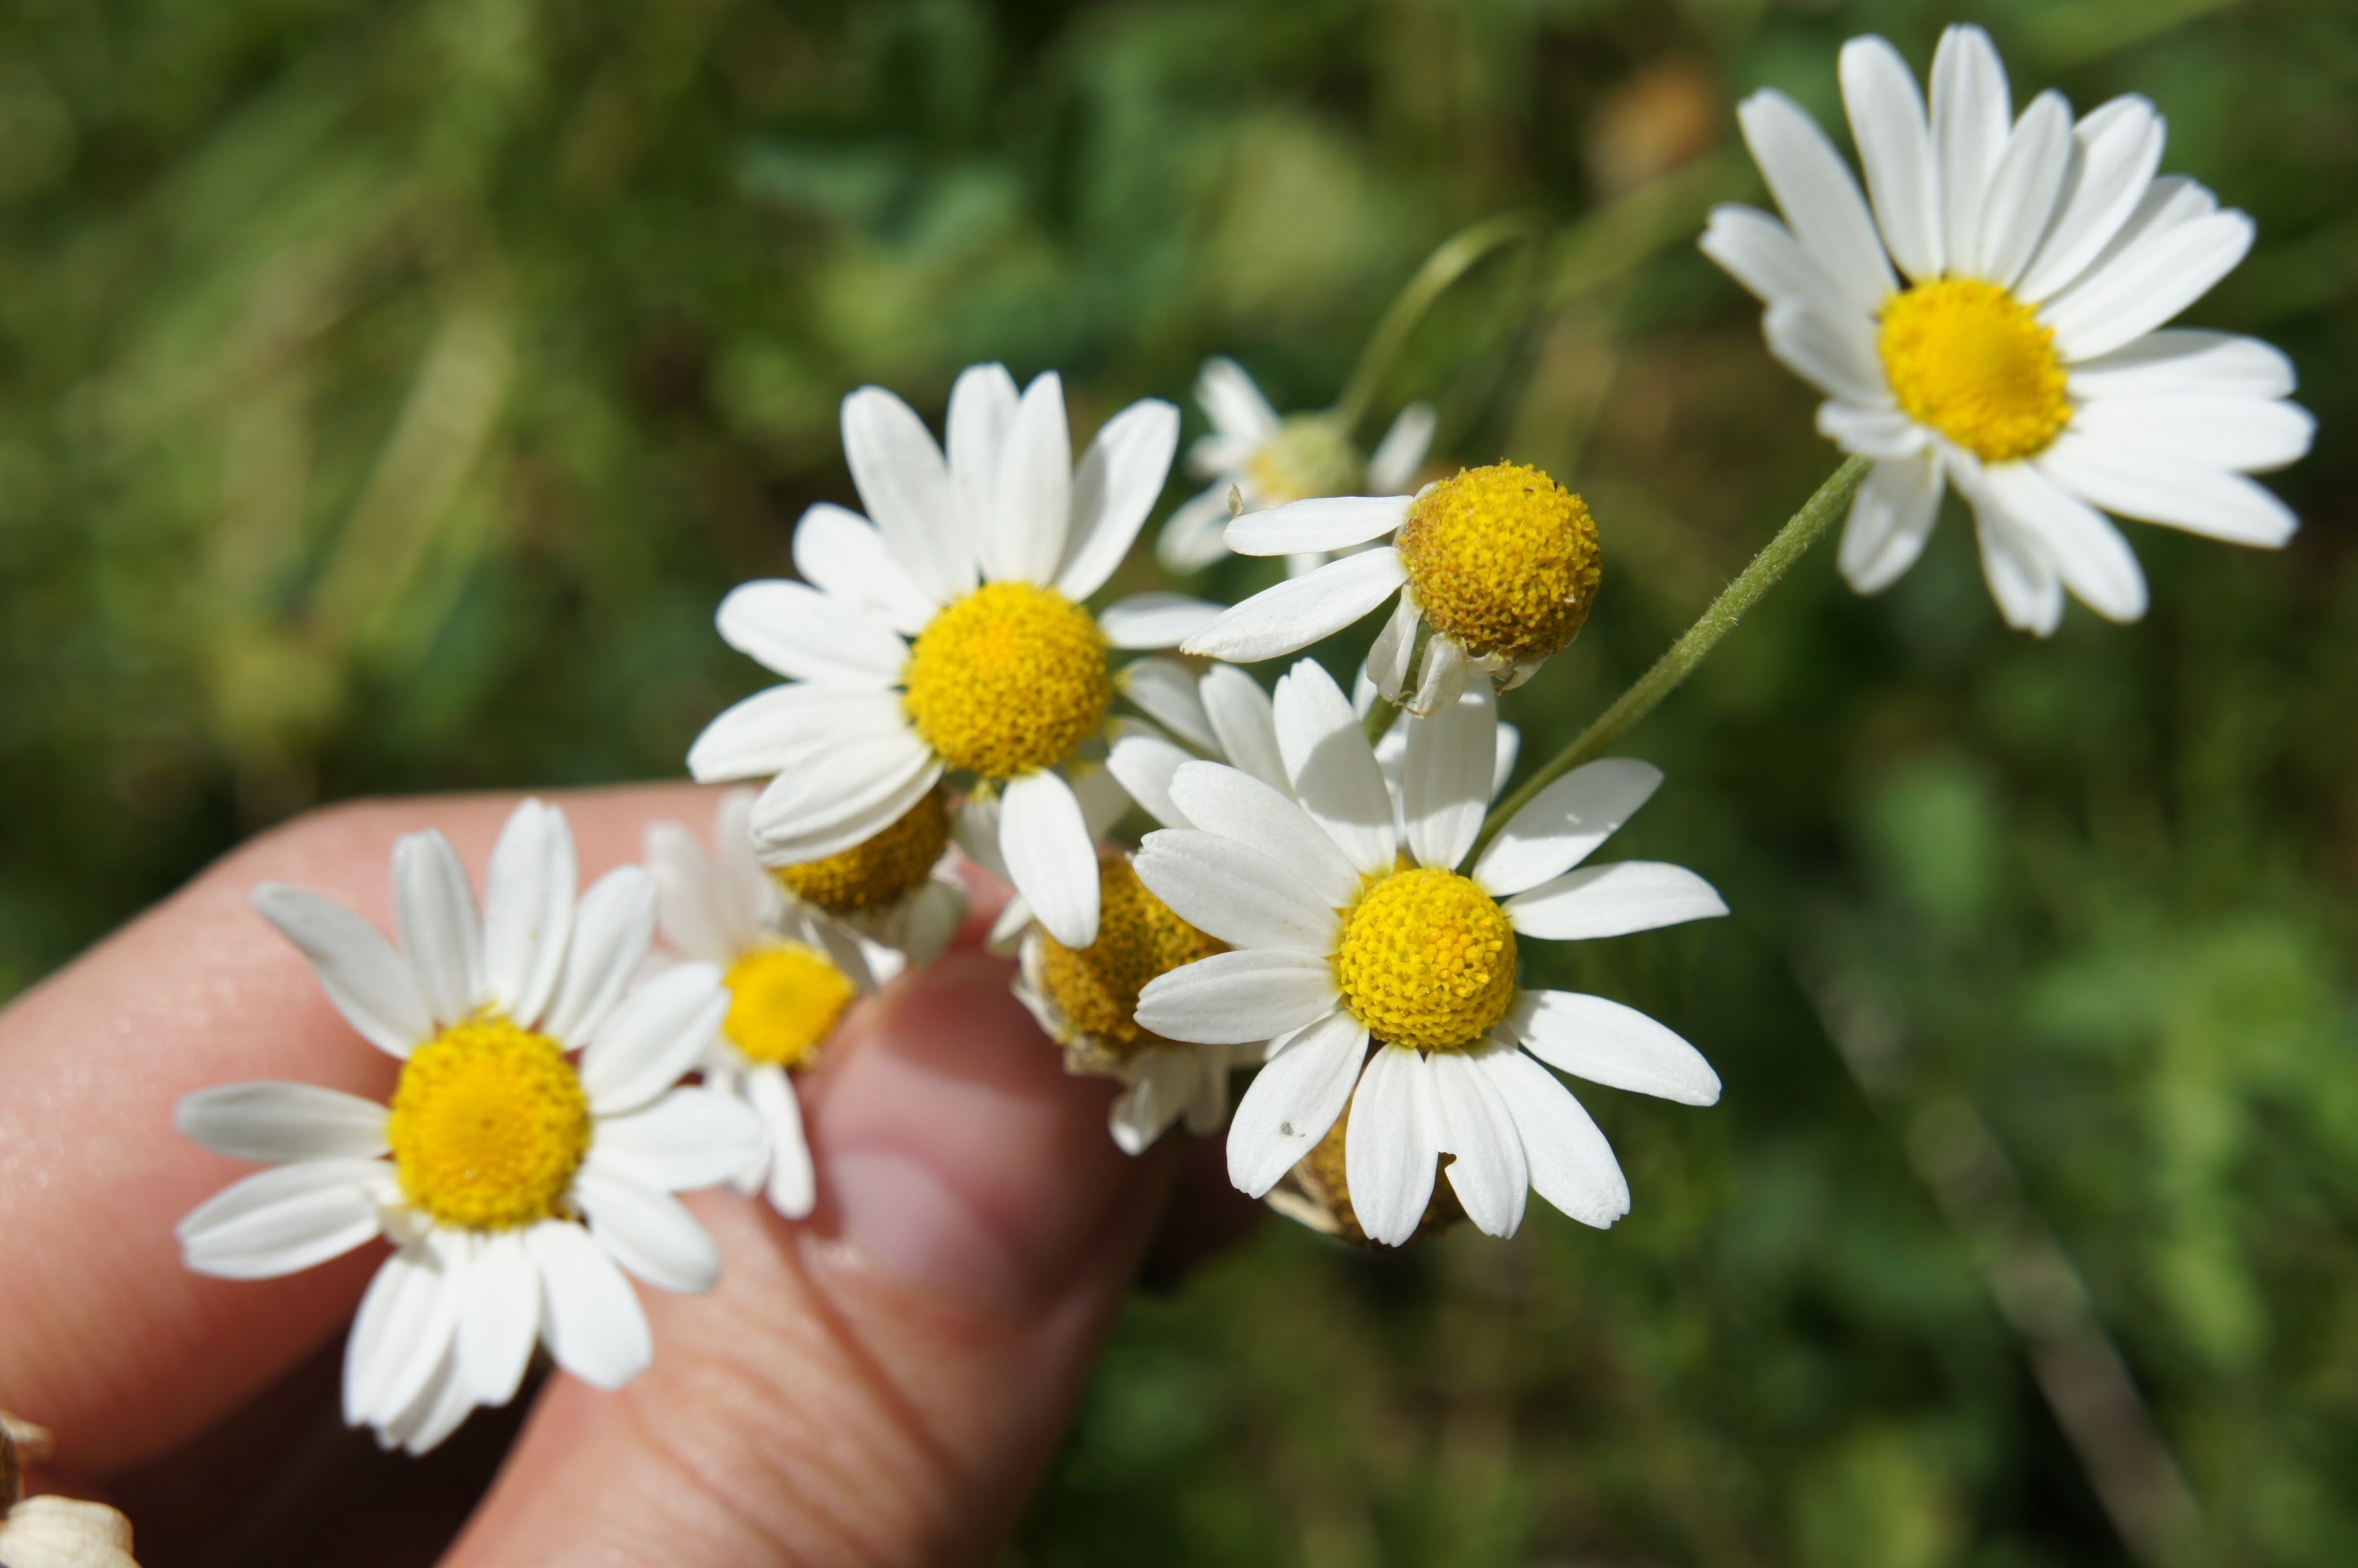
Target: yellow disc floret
[(1138, 938), (1970, 360), (1308, 455), (875, 871), (1503, 560), (489, 1124), (1010, 678), (1426, 958), (784, 1001)]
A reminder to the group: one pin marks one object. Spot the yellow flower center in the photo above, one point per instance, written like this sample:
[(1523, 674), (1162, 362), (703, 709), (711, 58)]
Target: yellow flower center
[(489, 1124), (1010, 678), (1970, 360), (1309, 455), (875, 871), (1426, 958), (784, 1001), (1138, 938), (1503, 560)]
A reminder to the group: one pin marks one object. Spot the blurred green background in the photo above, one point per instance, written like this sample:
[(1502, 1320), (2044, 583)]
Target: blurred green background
[(388, 394)]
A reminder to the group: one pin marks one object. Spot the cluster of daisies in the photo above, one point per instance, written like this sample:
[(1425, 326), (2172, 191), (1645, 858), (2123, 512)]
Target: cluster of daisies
[(1300, 886)]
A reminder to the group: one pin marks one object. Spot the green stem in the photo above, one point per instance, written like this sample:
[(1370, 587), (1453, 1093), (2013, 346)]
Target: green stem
[(1379, 718), (1455, 256), (1816, 515)]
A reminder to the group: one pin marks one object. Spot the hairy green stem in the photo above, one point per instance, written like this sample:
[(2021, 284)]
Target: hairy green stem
[(1455, 256), (1379, 718), (1816, 515)]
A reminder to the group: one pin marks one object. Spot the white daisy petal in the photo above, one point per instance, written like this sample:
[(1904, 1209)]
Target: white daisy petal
[(1236, 806), (905, 486), (499, 1317), (1392, 467), (1489, 1175), (401, 1334), (646, 1230), (2079, 542), (1121, 479), (1564, 823), (983, 401), (528, 910), (1163, 1084), (1196, 535), (790, 1180), (840, 553), (2249, 434), (1293, 1101), (612, 934), (434, 910), (1971, 115), (2157, 489), (932, 920), (1231, 891), (1571, 1163), (1235, 999), (1890, 519), (1612, 901), (1233, 403), (2029, 593), (1165, 691), (1392, 1144), (2147, 284), (589, 1316), (2023, 190), (1608, 1044), (1144, 761), (867, 786), (1820, 200), (1244, 724), (1031, 506), (1445, 789), (440, 1409), (793, 629), (284, 1219), (1049, 854), (370, 983), (1833, 357), (693, 920), (2178, 359), (1887, 122), (1324, 523), (1156, 620), (1300, 611), (783, 726), (1447, 667), (52, 1531), (652, 1038), (1395, 646), (1332, 767), (1883, 434), (1761, 254), (689, 1139), (2119, 147), (278, 1123)]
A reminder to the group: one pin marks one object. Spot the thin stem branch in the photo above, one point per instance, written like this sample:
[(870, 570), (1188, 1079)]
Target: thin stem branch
[(1816, 515), (1455, 256)]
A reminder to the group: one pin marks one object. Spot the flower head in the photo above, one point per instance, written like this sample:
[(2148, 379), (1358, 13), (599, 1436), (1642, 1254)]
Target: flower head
[(1500, 564), (1352, 921), (791, 971), (1266, 460), (947, 633), (1995, 322), (516, 1179)]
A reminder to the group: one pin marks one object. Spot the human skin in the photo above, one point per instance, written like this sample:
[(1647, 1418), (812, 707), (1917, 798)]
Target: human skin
[(882, 1383)]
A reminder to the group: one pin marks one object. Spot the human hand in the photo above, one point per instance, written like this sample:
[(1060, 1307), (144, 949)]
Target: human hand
[(882, 1383)]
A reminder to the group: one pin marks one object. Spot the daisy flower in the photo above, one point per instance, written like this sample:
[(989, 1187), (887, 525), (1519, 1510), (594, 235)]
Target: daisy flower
[(1346, 930), (515, 1183), (2015, 352), (947, 635), (1498, 564), (52, 1531), (1268, 461), (899, 889), (791, 974)]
